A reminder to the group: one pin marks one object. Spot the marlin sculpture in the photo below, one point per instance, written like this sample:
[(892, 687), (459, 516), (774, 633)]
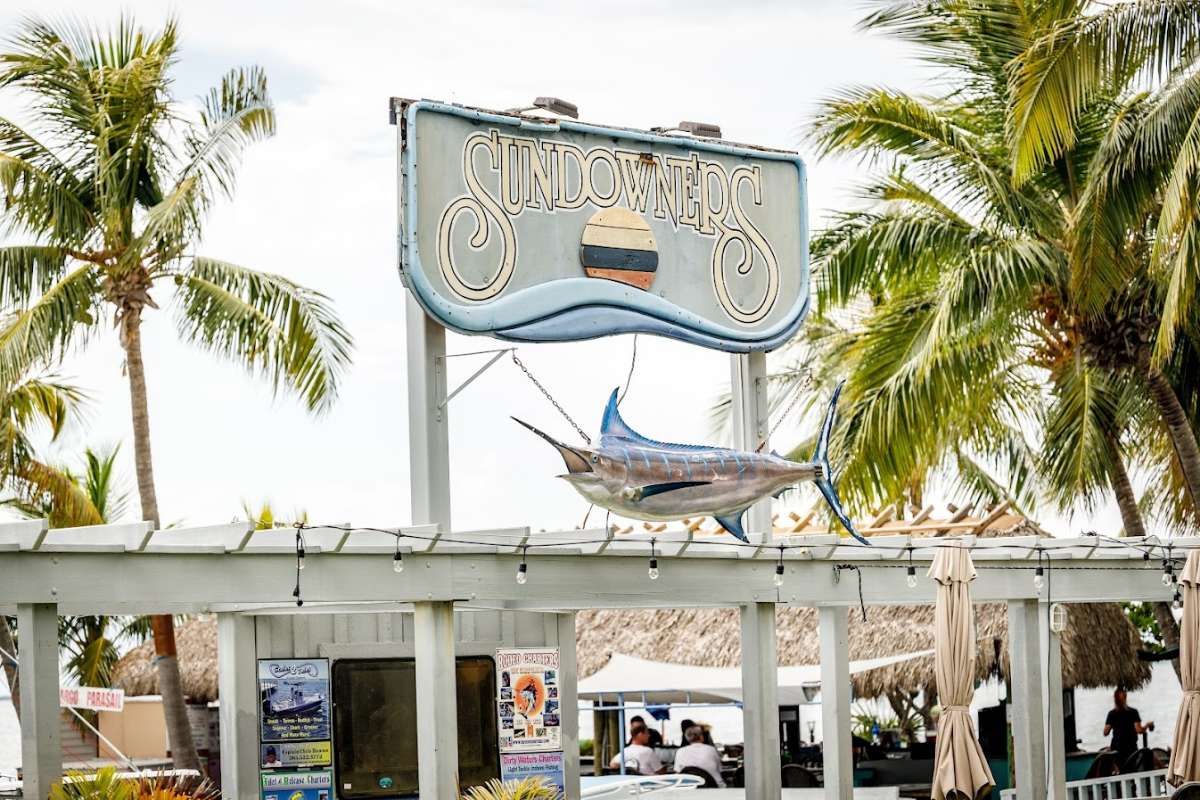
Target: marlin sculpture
[(657, 481)]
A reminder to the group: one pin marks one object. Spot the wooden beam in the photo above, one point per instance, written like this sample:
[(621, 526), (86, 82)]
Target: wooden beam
[(437, 701), (760, 700), (41, 742), (835, 703), (238, 716), (1029, 739)]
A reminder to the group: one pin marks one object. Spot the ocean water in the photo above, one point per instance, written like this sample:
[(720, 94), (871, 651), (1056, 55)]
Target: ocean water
[(1158, 701)]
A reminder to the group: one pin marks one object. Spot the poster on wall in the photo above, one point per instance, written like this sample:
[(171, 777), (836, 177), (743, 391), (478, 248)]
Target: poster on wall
[(294, 699), (279, 755), (547, 766), (528, 707), (297, 785)]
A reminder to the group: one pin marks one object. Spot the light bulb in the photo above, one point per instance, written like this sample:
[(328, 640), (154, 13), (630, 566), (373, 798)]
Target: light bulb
[(1168, 578), (653, 571), (1039, 578), (522, 574), (397, 563), (300, 558), (1177, 603), (911, 579), (778, 575)]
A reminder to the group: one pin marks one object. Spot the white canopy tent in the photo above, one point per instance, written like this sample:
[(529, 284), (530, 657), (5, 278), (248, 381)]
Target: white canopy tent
[(662, 683)]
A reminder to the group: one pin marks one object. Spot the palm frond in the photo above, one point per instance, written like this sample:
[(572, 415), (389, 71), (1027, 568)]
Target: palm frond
[(273, 326), (46, 329), (1072, 63)]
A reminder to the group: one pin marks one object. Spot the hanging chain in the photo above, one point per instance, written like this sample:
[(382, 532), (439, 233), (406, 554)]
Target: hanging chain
[(550, 397), (629, 377), (805, 382)]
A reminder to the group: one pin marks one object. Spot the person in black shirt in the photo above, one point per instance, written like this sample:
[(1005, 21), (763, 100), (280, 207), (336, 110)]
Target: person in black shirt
[(1125, 725)]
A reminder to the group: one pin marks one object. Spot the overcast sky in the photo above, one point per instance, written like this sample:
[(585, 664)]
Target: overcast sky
[(317, 204)]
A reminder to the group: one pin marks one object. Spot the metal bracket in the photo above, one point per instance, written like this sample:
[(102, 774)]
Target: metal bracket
[(497, 355)]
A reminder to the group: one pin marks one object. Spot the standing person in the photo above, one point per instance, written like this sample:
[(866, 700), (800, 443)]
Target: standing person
[(640, 751), (698, 754), (1125, 725), (656, 739)]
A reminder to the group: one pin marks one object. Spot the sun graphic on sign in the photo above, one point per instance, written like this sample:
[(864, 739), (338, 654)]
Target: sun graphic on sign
[(529, 695)]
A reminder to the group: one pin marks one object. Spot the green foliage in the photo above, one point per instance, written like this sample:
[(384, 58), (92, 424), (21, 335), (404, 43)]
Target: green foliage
[(105, 785), (1024, 248), (586, 747), (528, 789), (1142, 617), (111, 208)]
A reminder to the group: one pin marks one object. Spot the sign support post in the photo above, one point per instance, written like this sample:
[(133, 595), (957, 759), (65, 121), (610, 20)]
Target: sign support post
[(751, 416), (437, 700), (428, 425)]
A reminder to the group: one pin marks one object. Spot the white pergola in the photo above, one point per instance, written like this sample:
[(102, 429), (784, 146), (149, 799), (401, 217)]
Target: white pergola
[(237, 574)]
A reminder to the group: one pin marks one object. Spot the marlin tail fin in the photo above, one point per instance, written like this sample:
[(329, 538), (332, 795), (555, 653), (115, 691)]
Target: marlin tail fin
[(824, 480)]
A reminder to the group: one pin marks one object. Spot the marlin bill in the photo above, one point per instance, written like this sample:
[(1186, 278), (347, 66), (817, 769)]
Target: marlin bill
[(646, 479)]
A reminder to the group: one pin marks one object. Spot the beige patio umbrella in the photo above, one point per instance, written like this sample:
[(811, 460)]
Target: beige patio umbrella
[(1185, 753), (960, 770)]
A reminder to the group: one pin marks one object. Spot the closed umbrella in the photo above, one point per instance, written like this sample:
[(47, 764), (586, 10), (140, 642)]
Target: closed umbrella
[(1185, 754), (960, 769)]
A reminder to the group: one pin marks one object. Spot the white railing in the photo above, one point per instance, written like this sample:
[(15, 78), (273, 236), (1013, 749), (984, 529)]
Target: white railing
[(641, 784), (1117, 787)]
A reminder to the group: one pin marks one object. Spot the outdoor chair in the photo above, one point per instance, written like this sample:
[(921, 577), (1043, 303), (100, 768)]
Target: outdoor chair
[(798, 777), (709, 782), (1188, 791)]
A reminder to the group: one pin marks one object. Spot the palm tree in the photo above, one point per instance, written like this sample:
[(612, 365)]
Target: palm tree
[(110, 184), (966, 267), (1020, 264)]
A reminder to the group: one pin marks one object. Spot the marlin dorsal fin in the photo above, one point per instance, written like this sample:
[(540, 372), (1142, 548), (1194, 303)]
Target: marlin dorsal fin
[(613, 427), (614, 430)]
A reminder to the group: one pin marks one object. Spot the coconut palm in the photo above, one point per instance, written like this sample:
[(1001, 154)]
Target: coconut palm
[(106, 190), (1013, 286), (968, 320)]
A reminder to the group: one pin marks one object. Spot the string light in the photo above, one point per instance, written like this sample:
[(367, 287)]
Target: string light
[(779, 570), (398, 558), (911, 577), (299, 550), (1039, 574), (522, 568), (652, 572), (1177, 601), (1168, 576)]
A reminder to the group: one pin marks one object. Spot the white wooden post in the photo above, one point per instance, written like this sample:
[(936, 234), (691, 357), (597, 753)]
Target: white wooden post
[(1029, 740), (568, 678), (437, 700), (1056, 755), (237, 680), (760, 701), (428, 426), (751, 422), (835, 702), (37, 657)]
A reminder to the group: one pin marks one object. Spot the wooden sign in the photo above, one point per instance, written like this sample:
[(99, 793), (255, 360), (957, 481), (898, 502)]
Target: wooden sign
[(553, 230)]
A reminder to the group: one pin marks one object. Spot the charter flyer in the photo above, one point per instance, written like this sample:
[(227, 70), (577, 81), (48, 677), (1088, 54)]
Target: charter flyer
[(294, 697)]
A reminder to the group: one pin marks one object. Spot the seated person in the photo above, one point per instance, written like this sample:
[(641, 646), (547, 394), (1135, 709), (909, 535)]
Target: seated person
[(656, 739), (639, 750), (698, 754)]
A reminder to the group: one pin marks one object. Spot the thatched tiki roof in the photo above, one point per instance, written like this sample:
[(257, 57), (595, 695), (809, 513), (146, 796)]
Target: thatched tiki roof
[(196, 643), (1099, 644)]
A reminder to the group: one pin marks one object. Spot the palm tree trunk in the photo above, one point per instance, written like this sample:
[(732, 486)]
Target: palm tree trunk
[(1180, 431), (1131, 518), (9, 648), (1131, 515), (170, 686)]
